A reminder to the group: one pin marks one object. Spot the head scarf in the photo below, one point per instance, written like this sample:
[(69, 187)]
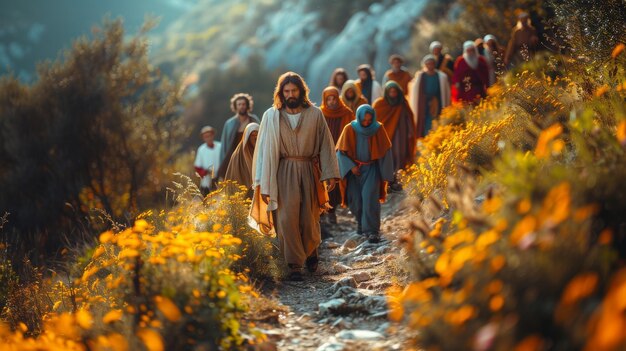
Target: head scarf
[(427, 58), (358, 96), (366, 85), (360, 114), (435, 44), (341, 109), (489, 37), (240, 165), (393, 102)]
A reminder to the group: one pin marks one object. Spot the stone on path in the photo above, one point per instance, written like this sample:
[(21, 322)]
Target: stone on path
[(361, 277), (359, 335), (348, 281), (348, 245), (331, 306), (331, 346)]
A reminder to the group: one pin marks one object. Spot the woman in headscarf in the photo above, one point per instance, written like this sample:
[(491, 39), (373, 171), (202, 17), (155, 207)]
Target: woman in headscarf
[(394, 113), (337, 116), (365, 165), (338, 78), (240, 165), (351, 96)]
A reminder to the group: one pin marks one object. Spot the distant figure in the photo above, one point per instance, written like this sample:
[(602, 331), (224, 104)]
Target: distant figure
[(398, 73), (523, 42), (494, 55), (445, 62), (337, 116), (338, 78), (366, 165), (370, 88), (232, 133), (429, 93), (394, 113), (351, 96), (471, 75), (207, 160), (480, 48), (240, 165), (294, 155)]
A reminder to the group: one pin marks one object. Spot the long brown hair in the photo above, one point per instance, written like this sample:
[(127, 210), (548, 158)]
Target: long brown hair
[(294, 78)]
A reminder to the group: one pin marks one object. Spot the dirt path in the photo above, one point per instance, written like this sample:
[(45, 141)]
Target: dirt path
[(343, 305)]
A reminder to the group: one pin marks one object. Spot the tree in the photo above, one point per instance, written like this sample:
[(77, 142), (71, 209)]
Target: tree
[(96, 130)]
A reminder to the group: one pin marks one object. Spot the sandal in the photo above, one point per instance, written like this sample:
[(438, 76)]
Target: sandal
[(312, 262), (373, 238)]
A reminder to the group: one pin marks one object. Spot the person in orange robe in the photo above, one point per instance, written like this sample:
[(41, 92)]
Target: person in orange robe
[(337, 116), (365, 165), (398, 73), (394, 113)]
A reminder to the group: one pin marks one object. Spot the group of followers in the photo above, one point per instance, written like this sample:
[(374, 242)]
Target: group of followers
[(300, 162)]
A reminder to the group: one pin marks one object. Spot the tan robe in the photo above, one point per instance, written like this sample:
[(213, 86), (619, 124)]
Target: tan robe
[(297, 209)]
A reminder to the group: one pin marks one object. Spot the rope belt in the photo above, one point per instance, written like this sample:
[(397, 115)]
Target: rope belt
[(361, 163)]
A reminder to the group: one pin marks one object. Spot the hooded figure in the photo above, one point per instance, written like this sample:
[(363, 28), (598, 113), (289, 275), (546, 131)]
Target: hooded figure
[(352, 99), (394, 113), (523, 43), (368, 84), (337, 116), (429, 93), (494, 55), (444, 62), (365, 165), (240, 165), (471, 75)]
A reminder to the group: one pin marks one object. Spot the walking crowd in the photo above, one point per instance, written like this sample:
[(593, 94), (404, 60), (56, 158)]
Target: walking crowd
[(300, 162)]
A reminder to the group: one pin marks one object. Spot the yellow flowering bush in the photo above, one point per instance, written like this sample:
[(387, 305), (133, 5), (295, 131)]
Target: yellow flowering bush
[(170, 281), (523, 250)]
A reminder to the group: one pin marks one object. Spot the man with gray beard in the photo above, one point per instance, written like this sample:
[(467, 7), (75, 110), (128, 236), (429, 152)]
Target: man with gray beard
[(471, 75)]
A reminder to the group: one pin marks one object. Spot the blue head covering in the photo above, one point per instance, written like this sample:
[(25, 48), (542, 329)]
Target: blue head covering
[(360, 114)]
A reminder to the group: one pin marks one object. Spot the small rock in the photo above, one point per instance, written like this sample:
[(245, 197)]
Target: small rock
[(348, 281), (358, 334), (364, 258), (332, 245), (383, 328), (381, 315), (339, 268), (361, 277), (330, 306), (348, 245), (344, 292), (331, 346)]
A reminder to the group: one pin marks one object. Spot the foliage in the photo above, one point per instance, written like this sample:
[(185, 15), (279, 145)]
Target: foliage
[(471, 19), (523, 248), (97, 130), (168, 282)]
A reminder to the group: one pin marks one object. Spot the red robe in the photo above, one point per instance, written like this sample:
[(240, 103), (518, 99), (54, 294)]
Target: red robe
[(472, 82)]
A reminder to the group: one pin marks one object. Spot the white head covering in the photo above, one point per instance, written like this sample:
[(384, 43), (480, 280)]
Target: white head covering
[(427, 58), (468, 44), (435, 44), (489, 37)]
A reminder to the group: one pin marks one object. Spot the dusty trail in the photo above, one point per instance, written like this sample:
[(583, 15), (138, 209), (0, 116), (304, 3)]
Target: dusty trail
[(343, 305)]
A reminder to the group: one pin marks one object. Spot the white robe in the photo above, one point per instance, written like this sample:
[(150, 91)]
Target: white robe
[(444, 87)]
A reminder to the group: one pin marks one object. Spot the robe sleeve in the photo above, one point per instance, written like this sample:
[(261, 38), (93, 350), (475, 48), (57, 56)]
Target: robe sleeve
[(385, 165), (328, 158), (345, 164)]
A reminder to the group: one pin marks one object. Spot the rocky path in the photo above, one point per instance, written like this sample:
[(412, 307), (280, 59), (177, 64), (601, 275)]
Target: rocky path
[(343, 305)]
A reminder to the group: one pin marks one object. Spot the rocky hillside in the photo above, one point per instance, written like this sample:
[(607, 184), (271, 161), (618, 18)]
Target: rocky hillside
[(306, 36)]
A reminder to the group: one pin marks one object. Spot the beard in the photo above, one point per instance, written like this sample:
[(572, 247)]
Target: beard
[(293, 102), (471, 60)]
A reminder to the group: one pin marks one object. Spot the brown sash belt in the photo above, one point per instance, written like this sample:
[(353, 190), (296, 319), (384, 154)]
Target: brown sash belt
[(320, 188)]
